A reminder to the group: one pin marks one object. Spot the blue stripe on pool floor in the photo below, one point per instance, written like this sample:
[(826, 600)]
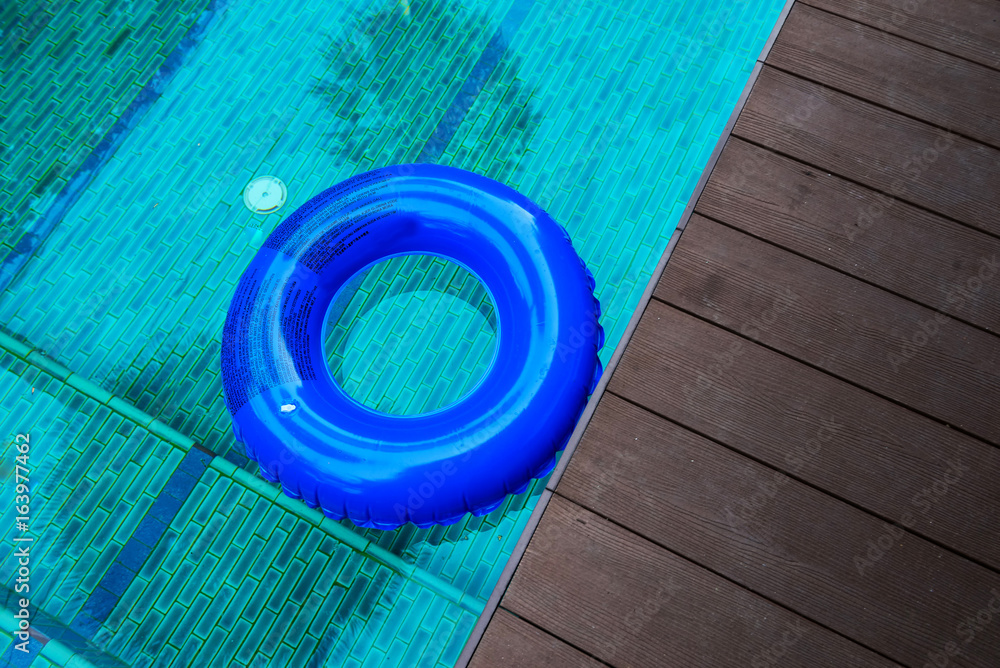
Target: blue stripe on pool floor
[(481, 71), (148, 533)]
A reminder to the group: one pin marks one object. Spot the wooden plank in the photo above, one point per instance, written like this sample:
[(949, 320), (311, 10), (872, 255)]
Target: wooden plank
[(513, 643), (903, 157), (801, 547), (859, 231), (632, 603), (881, 456), (923, 359), (966, 28), (916, 80)]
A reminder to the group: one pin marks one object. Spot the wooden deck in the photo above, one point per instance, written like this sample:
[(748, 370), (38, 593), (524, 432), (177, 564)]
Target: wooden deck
[(795, 461)]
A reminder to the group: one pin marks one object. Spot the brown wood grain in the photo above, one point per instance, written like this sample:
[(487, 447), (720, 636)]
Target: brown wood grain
[(884, 150), (927, 361), (859, 231), (510, 642), (869, 451), (910, 78), (629, 602), (966, 28), (778, 537)]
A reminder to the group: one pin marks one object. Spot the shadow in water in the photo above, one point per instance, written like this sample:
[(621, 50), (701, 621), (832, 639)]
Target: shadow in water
[(392, 76)]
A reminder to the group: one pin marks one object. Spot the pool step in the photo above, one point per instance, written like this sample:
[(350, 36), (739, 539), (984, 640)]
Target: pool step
[(243, 478)]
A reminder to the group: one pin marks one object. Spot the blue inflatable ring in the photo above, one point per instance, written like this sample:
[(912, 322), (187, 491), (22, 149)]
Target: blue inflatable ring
[(381, 470)]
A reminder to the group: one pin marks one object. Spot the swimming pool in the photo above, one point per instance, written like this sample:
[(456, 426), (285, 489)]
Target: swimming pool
[(131, 128)]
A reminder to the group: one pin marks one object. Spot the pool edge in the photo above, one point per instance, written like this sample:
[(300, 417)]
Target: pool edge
[(472, 643)]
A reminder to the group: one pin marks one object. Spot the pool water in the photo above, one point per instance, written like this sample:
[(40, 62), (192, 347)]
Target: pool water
[(411, 335), (130, 130)]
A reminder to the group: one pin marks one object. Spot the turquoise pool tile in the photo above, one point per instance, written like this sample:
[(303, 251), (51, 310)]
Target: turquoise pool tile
[(248, 554), (417, 647), (144, 633), (117, 644), (355, 594), (396, 652), (291, 544), (195, 583), (156, 646), (210, 502), (433, 613), (210, 618), (305, 616), (305, 584), (142, 607), (283, 656), (335, 562), (454, 645), (189, 650), (255, 636), (255, 606), (326, 612), (212, 644), (273, 640), (285, 584), (234, 517), (102, 539), (232, 643), (221, 572)]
